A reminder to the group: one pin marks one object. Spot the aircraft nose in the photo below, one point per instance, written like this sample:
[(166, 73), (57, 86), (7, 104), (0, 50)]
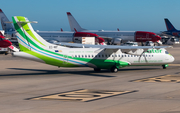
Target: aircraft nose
[(5, 43), (172, 58), (158, 38), (100, 39)]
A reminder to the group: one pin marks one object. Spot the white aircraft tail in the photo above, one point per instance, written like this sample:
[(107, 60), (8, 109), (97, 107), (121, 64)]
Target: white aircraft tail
[(7, 27), (73, 23), (28, 39)]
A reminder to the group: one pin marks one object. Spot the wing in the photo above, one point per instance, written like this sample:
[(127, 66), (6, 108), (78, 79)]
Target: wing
[(110, 46)]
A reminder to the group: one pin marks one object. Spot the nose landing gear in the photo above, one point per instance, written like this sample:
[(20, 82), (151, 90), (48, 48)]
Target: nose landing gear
[(165, 66)]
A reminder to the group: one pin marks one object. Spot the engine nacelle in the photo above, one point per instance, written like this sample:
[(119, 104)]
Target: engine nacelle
[(116, 41), (53, 41)]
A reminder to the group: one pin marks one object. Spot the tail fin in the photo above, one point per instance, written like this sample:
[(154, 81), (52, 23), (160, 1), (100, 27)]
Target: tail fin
[(1, 34), (7, 27), (28, 39), (73, 23), (169, 26)]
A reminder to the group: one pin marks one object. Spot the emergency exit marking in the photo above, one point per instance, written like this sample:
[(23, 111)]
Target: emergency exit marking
[(84, 95)]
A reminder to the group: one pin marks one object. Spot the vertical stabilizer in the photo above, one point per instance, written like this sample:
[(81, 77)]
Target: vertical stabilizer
[(7, 27), (169, 26), (73, 23), (28, 39)]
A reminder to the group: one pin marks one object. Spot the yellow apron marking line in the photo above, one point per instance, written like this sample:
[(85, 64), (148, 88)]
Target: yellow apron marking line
[(84, 95), (165, 78), (174, 64)]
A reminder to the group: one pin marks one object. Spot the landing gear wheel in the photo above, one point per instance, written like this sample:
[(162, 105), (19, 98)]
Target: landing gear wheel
[(97, 69), (164, 66), (114, 69)]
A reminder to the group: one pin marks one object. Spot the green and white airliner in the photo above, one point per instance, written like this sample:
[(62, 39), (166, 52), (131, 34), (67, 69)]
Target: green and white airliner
[(34, 47)]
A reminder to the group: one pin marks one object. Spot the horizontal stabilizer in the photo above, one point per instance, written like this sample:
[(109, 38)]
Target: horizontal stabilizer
[(24, 22), (27, 22)]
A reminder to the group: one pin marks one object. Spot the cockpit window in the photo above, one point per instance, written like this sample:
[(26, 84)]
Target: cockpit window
[(2, 39), (166, 52), (154, 35)]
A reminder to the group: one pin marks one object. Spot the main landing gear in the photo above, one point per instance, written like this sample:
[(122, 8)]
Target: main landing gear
[(113, 69), (97, 69)]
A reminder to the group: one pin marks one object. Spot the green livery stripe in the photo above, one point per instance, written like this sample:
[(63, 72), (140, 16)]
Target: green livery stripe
[(30, 41), (28, 30), (22, 48), (104, 63), (51, 61)]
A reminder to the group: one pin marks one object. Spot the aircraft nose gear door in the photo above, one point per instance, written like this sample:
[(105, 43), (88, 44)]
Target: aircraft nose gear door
[(65, 59)]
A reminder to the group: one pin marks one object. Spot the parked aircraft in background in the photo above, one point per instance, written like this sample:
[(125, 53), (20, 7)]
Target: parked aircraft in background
[(34, 47), (116, 36), (67, 36), (4, 43), (7, 27), (171, 30), (51, 36)]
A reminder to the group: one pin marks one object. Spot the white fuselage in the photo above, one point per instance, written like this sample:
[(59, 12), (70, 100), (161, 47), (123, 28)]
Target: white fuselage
[(155, 57), (124, 35)]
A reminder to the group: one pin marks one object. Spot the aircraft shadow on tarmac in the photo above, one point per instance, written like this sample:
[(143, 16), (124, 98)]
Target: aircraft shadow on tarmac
[(102, 73), (56, 72)]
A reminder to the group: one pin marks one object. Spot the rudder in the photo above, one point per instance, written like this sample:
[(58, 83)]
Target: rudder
[(169, 26)]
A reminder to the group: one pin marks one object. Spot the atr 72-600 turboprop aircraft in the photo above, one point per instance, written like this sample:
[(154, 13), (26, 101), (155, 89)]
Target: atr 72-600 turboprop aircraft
[(171, 30), (34, 47), (116, 36)]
